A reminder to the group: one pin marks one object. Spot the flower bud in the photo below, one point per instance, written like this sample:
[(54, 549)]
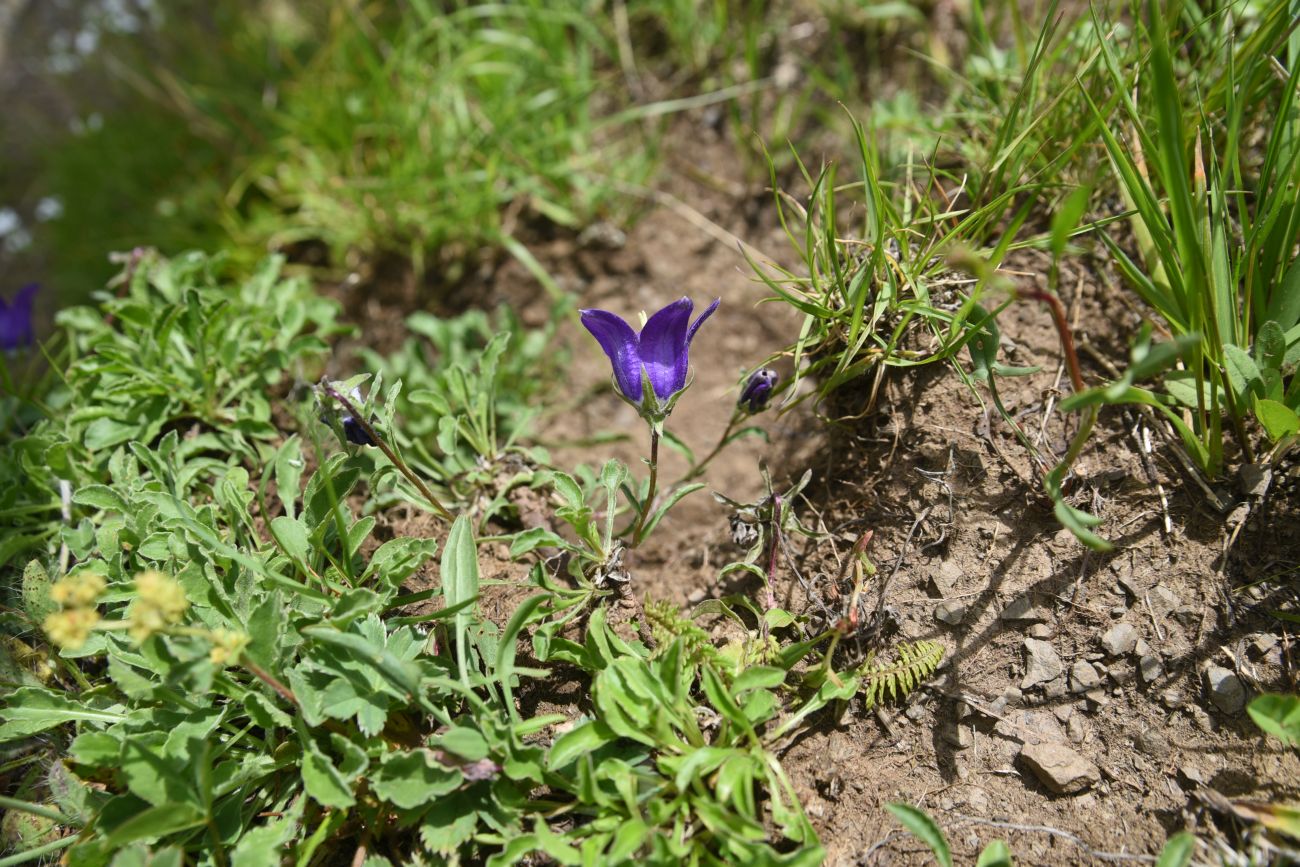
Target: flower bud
[(758, 388)]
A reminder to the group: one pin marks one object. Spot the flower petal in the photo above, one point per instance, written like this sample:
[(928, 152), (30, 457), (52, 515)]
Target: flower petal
[(620, 343), (663, 348), (695, 326)]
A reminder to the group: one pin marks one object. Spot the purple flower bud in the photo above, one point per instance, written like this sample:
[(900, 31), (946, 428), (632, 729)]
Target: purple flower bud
[(352, 429), (16, 320), (659, 355), (355, 433), (757, 390)]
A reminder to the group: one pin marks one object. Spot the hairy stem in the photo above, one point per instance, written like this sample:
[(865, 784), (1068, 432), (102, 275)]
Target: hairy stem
[(648, 503), (390, 454)]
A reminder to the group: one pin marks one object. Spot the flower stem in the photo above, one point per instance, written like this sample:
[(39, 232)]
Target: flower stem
[(390, 454), (649, 500)]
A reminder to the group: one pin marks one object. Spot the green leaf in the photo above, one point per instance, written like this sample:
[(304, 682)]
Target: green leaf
[(322, 781), (262, 845), (578, 741), (156, 823), (1270, 346), (293, 537), (464, 742), (31, 710), (1178, 850), (924, 829), (1284, 301), (1067, 217), (1279, 715), (100, 497), (153, 775), (508, 646), (460, 583), (288, 473), (97, 749), (1278, 419), (410, 779), (758, 677), (1243, 374), (995, 854)]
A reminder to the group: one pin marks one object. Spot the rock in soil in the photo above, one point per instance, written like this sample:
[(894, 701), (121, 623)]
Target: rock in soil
[(1226, 689), (1150, 668), (1060, 768), (1041, 663), (1023, 608), (1083, 677), (1153, 743), (950, 612), (1119, 639)]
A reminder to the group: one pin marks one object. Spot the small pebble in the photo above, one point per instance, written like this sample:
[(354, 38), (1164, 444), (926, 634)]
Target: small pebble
[(1153, 743), (1150, 668), (1225, 689), (1083, 677), (950, 612)]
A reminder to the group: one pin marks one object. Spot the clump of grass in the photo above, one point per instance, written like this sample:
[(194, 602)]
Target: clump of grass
[(1209, 165)]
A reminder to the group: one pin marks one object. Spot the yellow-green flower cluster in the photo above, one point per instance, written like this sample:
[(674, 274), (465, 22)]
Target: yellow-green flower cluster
[(159, 602), (227, 644), (76, 595)]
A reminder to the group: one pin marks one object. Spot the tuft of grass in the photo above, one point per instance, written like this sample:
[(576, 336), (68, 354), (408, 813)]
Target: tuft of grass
[(1209, 165)]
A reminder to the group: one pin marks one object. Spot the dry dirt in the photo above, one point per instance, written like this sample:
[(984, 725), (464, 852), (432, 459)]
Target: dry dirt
[(957, 517)]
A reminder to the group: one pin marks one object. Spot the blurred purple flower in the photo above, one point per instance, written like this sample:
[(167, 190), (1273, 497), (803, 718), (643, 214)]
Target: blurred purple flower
[(659, 355), (355, 433), (352, 429), (757, 390), (16, 319)]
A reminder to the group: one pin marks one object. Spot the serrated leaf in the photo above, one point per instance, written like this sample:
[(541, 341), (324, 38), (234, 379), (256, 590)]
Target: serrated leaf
[(411, 779), (322, 781), (398, 559)]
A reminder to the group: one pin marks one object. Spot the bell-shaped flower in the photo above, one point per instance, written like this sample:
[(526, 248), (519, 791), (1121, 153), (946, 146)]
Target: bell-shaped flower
[(757, 390), (650, 368), (16, 320)]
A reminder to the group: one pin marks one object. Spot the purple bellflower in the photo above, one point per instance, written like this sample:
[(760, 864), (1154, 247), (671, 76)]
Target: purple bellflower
[(650, 368), (16, 320), (757, 390)]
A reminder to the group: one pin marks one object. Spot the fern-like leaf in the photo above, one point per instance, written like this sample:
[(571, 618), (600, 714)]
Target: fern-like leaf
[(916, 662), (667, 623)]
